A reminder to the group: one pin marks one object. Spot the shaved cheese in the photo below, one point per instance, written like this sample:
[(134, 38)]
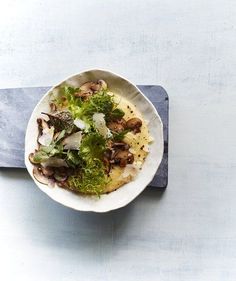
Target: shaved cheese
[(47, 136), (80, 124), (146, 148), (100, 125), (73, 141), (131, 150), (132, 169), (110, 94)]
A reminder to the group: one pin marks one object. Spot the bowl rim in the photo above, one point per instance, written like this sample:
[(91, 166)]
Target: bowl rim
[(124, 202)]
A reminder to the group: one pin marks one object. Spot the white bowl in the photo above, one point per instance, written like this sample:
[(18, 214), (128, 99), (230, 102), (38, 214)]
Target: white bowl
[(126, 193)]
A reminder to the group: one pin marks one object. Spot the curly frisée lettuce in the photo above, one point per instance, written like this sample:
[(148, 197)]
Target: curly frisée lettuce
[(86, 141), (90, 179)]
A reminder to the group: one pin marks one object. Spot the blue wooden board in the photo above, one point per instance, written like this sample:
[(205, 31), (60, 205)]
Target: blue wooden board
[(17, 104)]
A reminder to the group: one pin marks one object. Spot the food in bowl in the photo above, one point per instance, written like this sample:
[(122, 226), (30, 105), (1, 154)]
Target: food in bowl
[(92, 140)]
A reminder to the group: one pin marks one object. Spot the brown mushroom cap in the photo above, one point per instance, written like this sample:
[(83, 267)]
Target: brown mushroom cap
[(85, 90), (115, 126), (121, 145), (31, 159), (38, 175), (53, 107), (47, 171), (103, 84), (42, 124), (124, 157), (134, 124), (121, 122), (89, 88)]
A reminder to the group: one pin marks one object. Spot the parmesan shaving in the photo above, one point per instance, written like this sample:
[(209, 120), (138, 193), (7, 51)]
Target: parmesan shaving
[(47, 136), (131, 150), (100, 125), (80, 124), (146, 148), (132, 169), (73, 141)]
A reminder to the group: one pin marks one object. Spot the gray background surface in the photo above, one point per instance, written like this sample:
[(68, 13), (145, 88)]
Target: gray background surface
[(186, 233)]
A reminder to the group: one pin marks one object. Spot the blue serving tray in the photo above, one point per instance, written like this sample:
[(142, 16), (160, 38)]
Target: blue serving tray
[(17, 104)]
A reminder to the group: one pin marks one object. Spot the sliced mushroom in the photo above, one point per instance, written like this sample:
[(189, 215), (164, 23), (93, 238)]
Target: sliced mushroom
[(31, 159), (47, 171), (121, 145), (45, 135), (103, 84), (89, 88), (53, 107), (85, 90), (42, 123), (123, 157), (115, 127), (95, 87), (56, 135), (134, 124), (38, 175), (121, 122), (60, 178)]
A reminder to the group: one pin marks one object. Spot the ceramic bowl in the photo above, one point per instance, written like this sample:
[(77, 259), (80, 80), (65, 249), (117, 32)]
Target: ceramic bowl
[(126, 193)]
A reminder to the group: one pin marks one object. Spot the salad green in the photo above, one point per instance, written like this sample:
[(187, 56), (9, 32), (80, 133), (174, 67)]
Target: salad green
[(77, 144)]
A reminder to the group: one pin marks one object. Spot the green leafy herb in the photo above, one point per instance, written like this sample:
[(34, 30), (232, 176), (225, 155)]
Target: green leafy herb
[(120, 136), (60, 136), (116, 114), (66, 98), (73, 158), (40, 156), (100, 102), (92, 146), (45, 152), (91, 178), (69, 93)]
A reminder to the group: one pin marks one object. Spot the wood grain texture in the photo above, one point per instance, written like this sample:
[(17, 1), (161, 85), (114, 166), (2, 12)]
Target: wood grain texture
[(189, 231)]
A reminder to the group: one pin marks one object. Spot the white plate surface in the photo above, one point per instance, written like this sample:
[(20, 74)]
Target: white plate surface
[(126, 193)]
